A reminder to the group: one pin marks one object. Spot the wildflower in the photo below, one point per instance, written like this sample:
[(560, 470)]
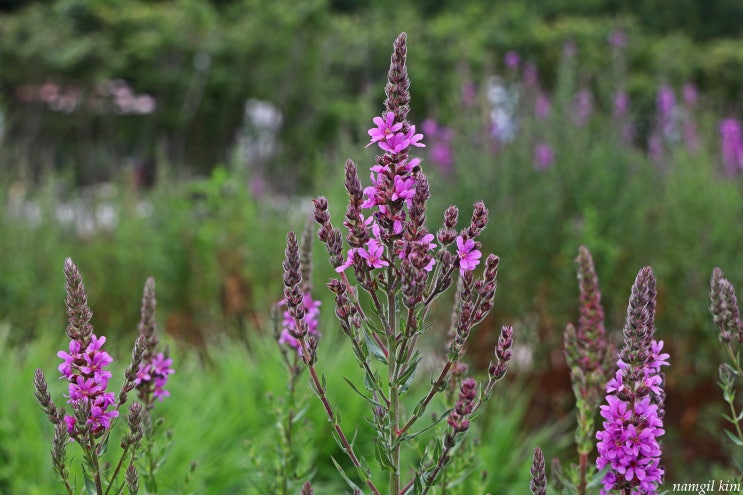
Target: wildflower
[(621, 105), (617, 39), (667, 113), (413, 138), (512, 59), (386, 127), (731, 145), (469, 255), (373, 254), (155, 368), (312, 314), (628, 442), (544, 157), (85, 369), (542, 106)]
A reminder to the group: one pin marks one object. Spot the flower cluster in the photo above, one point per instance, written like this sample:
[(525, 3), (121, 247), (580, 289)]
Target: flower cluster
[(84, 367), (311, 315), (397, 196), (731, 145), (153, 373), (633, 415)]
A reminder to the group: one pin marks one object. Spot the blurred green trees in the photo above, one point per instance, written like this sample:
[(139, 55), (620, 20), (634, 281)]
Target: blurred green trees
[(315, 61)]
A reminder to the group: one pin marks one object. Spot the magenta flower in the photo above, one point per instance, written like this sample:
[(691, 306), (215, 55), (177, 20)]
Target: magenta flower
[(395, 143), (413, 138), (544, 157), (373, 254), (311, 317), (404, 188), (542, 106), (633, 416), (385, 127), (71, 359), (469, 255), (512, 59), (83, 388), (621, 105), (88, 381), (732, 145)]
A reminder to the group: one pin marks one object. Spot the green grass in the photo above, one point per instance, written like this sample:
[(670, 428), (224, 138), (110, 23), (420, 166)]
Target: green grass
[(221, 415)]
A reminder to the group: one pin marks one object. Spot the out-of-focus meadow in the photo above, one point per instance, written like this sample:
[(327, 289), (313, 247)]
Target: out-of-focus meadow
[(183, 139)]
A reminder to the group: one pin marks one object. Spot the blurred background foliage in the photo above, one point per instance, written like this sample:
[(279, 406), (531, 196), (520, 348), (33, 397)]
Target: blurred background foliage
[(182, 139), (316, 61)]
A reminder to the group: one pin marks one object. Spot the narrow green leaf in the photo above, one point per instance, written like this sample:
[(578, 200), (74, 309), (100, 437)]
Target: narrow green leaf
[(374, 348), (383, 456), (350, 483), (737, 441), (89, 484), (415, 434), (368, 399)]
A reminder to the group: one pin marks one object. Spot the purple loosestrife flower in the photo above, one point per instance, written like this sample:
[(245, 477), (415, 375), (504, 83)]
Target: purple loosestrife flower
[(731, 145), (312, 314), (544, 157), (84, 365), (542, 106), (469, 255), (156, 367), (440, 152), (582, 107), (386, 126), (666, 112), (617, 39), (621, 105), (628, 443), (512, 60)]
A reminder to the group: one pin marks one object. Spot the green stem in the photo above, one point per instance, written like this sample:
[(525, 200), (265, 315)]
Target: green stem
[(435, 388), (357, 305), (118, 468), (394, 389), (583, 463), (320, 392), (93, 455)]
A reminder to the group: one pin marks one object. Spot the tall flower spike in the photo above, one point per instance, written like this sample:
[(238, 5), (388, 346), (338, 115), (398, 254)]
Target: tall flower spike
[(151, 368), (724, 307), (538, 483), (628, 443)]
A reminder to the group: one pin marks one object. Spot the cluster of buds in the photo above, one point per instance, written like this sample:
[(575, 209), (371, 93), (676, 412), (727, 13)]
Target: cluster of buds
[(458, 418), (724, 308), (588, 352)]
